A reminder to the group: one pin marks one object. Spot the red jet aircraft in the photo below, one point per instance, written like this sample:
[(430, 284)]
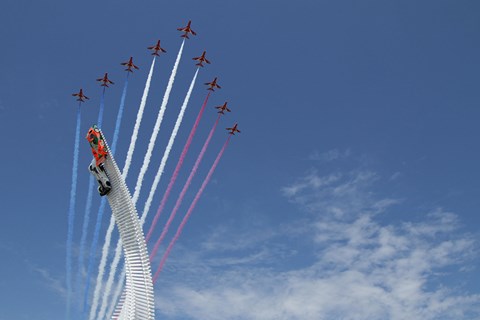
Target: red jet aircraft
[(223, 108), (105, 80), (129, 65), (80, 96), (157, 48), (233, 129), (202, 59), (187, 30), (213, 85)]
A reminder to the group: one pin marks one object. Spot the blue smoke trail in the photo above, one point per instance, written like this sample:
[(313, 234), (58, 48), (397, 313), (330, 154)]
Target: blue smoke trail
[(88, 207), (101, 210), (71, 211), (102, 107)]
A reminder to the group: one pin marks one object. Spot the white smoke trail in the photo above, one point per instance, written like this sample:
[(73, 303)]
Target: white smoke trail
[(71, 210), (156, 181), (156, 128), (117, 292), (111, 277), (101, 268), (111, 226), (143, 170), (138, 121)]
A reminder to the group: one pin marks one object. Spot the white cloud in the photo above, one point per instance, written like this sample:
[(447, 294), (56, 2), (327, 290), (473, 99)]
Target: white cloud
[(358, 267)]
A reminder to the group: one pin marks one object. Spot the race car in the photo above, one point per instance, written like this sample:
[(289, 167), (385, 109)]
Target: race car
[(95, 138), (104, 185)]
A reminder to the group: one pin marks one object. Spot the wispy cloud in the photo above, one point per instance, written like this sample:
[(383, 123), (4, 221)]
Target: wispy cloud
[(360, 267), (55, 284), (331, 155)]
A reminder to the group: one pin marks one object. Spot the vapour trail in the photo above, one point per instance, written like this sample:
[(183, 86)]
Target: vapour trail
[(88, 207), (163, 162), (166, 154), (161, 168), (186, 147), (156, 128), (101, 210), (71, 211), (143, 169), (138, 121), (117, 292), (184, 190), (189, 212)]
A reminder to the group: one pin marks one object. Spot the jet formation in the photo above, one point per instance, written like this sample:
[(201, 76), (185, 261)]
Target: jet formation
[(130, 66), (94, 136)]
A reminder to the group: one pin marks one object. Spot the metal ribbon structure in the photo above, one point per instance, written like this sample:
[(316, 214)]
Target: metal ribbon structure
[(139, 297)]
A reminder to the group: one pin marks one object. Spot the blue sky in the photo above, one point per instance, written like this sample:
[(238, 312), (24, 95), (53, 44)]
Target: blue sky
[(351, 193)]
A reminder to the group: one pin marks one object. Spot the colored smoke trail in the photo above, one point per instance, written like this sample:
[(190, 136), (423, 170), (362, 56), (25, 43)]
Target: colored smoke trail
[(71, 211), (88, 206), (163, 162), (184, 190), (138, 121), (174, 175), (101, 210), (102, 107), (189, 212)]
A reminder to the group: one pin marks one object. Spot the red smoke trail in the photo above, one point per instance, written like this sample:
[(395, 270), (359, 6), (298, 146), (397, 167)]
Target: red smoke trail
[(184, 190), (189, 212), (177, 168)]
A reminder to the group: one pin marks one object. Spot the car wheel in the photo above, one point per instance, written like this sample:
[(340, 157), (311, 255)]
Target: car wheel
[(101, 191)]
